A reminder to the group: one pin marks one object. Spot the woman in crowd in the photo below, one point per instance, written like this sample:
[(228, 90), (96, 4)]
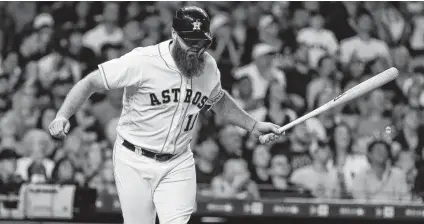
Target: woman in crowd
[(346, 163)]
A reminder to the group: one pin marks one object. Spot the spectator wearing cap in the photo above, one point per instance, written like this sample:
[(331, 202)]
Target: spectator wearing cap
[(107, 31), (44, 26), (318, 178), (262, 71), (381, 182), (363, 44), (269, 32), (319, 40), (10, 182)]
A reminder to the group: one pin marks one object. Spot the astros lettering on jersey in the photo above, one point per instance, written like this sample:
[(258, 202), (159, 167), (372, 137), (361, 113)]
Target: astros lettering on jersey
[(160, 105)]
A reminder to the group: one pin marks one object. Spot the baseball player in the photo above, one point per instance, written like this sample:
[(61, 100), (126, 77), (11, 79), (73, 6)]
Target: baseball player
[(165, 87)]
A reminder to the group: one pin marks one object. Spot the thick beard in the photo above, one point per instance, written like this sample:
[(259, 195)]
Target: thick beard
[(190, 66)]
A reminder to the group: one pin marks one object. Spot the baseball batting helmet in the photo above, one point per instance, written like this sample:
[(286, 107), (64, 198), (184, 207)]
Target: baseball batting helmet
[(192, 24)]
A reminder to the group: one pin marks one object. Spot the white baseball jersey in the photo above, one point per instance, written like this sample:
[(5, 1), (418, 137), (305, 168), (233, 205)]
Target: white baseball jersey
[(160, 105)]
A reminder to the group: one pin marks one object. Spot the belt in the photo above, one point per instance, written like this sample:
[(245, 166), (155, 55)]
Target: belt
[(156, 156)]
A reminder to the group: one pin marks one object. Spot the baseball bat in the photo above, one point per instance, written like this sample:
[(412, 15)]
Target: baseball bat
[(352, 93)]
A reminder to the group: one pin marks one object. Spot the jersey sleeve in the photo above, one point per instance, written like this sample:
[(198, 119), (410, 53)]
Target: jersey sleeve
[(122, 72), (216, 94)]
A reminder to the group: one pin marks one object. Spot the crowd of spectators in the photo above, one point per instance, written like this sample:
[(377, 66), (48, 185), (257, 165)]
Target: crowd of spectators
[(279, 60)]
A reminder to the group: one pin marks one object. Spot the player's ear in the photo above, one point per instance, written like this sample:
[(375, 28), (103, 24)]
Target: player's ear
[(174, 35)]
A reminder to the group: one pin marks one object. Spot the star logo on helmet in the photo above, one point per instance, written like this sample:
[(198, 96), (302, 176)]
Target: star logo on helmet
[(196, 25)]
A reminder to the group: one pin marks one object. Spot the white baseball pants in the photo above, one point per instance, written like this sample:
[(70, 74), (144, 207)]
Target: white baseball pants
[(146, 186)]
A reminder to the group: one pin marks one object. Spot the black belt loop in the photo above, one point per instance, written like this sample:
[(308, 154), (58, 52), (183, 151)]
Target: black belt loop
[(149, 154)]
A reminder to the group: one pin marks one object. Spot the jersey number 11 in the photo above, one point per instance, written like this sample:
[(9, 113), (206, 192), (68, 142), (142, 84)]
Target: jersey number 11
[(191, 120)]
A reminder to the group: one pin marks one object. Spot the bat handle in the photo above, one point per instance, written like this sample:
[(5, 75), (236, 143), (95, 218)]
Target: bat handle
[(265, 138)]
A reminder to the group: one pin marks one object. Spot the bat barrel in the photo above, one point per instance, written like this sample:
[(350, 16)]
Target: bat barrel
[(355, 92)]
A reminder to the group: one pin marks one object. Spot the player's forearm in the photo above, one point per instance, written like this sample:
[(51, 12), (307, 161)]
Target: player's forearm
[(232, 113), (80, 93), (75, 99)]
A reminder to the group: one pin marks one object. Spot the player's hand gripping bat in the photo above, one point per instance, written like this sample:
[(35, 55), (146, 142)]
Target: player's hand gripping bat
[(354, 92)]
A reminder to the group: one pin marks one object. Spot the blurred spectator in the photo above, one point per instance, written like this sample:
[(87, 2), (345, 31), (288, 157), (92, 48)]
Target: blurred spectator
[(392, 24), (342, 18), (57, 67), (363, 44), (259, 165), (298, 146), (107, 31), (133, 34), (235, 181), (374, 120), (23, 13), (82, 54), (318, 178), (329, 78), (319, 40), (280, 171), (64, 172), (280, 106), (83, 16), (269, 32), (380, 182), (405, 161), (110, 51), (297, 70), (347, 164), (34, 166), (133, 12), (47, 116), (207, 164), (224, 48), (230, 140), (242, 92), (10, 182), (411, 134), (262, 71)]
